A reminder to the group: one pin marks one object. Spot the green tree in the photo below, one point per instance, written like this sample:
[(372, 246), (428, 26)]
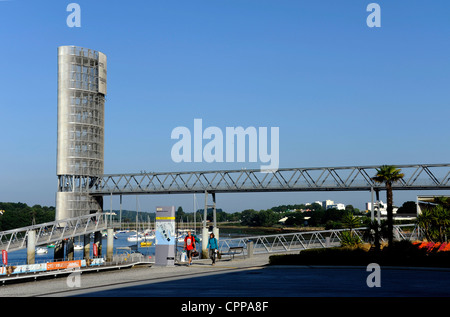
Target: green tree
[(351, 222), (425, 221), (441, 219), (332, 214), (375, 231), (179, 214), (443, 201), (408, 207), (316, 217), (435, 222), (388, 175), (235, 216), (19, 215), (248, 217), (295, 218), (267, 218)]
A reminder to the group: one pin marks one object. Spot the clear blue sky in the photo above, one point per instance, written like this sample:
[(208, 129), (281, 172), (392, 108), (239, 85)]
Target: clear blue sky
[(340, 92)]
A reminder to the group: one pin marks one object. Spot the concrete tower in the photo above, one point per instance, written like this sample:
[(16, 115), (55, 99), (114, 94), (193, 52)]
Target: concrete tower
[(81, 108)]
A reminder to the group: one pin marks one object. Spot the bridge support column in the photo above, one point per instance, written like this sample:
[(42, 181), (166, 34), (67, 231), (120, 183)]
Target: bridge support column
[(204, 243), (59, 251), (205, 229), (110, 244), (372, 207), (87, 247), (31, 247), (215, 231), (377, 193), (69, 249)]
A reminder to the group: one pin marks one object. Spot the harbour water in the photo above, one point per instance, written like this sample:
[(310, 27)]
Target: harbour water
[(20, 257)]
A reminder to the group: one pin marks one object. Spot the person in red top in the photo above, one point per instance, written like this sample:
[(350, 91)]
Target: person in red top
[(189, 246)]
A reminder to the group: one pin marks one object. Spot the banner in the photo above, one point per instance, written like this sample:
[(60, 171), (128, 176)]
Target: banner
[(40, 267), (65, 265), (5, 257), (27, 268)]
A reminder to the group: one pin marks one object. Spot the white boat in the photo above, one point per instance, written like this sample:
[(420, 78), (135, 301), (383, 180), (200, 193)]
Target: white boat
[(41, 251), (135, 238)]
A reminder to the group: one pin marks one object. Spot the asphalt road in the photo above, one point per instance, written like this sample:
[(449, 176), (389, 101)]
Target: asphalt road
[(293, 282)]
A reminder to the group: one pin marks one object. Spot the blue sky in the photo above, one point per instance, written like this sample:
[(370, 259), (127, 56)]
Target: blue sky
[(341, 93)]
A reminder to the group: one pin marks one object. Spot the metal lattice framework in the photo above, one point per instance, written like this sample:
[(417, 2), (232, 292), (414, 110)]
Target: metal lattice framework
[(54, 231), (355, 178), (298, 241), (81, 125)]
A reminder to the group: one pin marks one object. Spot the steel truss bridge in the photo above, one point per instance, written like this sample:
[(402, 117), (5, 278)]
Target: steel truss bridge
[(417, 177), (355, 178)]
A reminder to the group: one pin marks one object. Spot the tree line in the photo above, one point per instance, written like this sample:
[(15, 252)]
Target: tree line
[(17, 215), (296, 215)]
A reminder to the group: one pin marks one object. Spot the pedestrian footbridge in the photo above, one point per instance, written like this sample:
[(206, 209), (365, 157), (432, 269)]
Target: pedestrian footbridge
[(53, 232)]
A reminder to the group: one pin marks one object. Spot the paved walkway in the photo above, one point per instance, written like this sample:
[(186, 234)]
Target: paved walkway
[(240, 278), (86, 283)]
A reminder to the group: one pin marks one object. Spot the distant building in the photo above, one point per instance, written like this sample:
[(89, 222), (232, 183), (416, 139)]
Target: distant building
[(327, 203), (338, 206), (382, 206)]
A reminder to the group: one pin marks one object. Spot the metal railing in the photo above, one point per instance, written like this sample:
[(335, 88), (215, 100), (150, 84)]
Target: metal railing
[(50, 232), (299, 241)]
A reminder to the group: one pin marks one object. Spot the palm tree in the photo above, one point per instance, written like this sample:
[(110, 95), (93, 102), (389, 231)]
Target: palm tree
[(375, 232), (425, 220), (351, 222), (435, 223), (389, 174), (441, 219)]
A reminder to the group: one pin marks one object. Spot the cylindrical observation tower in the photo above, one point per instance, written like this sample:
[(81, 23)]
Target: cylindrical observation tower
[(81, 111)]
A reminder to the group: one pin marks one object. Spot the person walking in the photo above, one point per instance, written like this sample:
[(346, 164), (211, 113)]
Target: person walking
[(212, 246), (189, 246)]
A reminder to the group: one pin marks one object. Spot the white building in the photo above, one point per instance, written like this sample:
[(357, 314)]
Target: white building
[(337, 206), (327, 203), (382, 206)]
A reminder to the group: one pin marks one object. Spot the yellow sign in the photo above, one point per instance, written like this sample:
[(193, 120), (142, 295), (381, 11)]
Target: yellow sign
[(165, 218)]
